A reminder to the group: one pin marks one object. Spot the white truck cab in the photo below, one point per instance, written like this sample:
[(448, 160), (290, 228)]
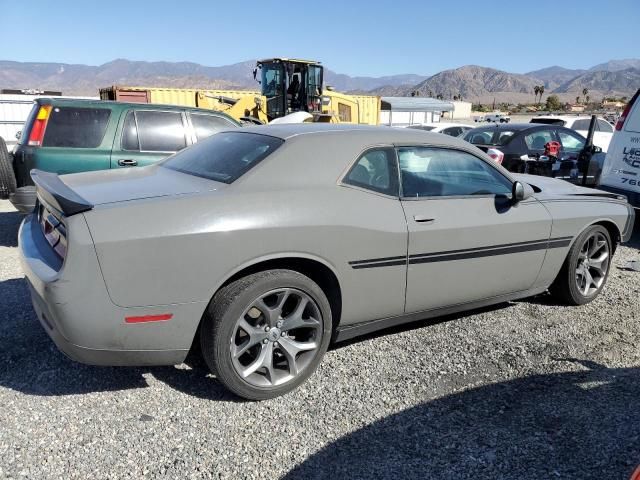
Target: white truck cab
[(494, 117), (621, 169)]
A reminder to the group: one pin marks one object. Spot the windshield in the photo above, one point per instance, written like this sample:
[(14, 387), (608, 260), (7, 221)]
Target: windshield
[(223, 157), (271, 79), (489, 136)]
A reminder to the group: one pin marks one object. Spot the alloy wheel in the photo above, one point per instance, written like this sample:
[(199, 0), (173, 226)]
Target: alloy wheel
[(276, 337), (593, 264)]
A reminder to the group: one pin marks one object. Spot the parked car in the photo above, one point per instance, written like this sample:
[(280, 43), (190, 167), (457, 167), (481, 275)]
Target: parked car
[(601, 136), (493, 117), (520, 148), (68, 136), (451, 129), (621, 170), (271, 241)]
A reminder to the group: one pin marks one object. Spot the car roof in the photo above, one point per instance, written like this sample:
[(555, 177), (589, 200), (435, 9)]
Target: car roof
[(80, 102), (366, 133)]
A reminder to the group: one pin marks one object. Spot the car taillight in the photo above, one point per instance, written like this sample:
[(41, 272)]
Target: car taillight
[(54, 230), (39, 126), (496, 155), (625, 113)]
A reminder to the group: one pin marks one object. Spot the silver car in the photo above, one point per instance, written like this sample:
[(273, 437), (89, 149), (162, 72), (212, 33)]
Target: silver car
[(264, 244)]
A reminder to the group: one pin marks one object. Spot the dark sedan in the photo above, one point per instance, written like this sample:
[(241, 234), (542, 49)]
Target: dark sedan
[(524, 148)]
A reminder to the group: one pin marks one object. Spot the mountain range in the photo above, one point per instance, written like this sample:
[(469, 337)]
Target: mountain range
[(471, 82)]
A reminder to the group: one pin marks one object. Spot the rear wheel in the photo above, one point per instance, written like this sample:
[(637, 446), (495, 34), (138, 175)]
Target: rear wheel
[(266, 333), (586, 267), (7, 178)]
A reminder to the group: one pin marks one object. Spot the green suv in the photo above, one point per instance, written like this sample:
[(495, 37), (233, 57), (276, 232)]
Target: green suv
[(70, 136)]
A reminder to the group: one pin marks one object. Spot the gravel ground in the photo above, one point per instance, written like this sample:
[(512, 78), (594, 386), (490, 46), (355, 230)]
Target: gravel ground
[(525, 390)]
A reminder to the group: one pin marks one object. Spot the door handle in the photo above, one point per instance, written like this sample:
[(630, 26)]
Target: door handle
[(127, 162), (423, 219)]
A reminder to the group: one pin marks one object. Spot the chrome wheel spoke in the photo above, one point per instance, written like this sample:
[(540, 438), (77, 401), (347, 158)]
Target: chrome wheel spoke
[(291, 348), (266, 355), (296, 320), (600, 263)]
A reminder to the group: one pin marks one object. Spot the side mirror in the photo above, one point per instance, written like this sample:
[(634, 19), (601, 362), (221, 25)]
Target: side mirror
[(18, 135), (519, 192), (596, 149)]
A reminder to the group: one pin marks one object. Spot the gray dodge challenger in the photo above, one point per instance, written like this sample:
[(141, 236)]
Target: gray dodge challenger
[(267, 243)]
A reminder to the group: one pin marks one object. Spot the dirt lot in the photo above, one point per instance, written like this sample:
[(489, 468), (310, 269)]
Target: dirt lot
[(524, 390)]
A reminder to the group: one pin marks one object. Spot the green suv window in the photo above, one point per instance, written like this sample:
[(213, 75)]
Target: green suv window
[(76, 127), (149, 131)]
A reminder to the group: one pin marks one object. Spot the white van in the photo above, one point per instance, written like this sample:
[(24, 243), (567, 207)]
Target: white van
[(621, 169)]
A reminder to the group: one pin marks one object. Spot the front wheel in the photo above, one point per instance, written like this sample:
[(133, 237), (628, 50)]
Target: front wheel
[(586, 268), (265, 334)]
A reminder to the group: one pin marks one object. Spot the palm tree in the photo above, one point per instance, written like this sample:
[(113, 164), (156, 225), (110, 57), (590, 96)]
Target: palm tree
[(586, 98), (578, 99), (430, 93), (585, 92), (536, 91), (541, 92)]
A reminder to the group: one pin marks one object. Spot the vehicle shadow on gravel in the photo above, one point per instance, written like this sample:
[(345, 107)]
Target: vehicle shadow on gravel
[(583, 424), (9, 223), (30, 362)]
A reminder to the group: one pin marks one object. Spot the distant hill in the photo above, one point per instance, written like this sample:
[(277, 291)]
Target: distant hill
[(618, 82), (85, 79), (616, 65), (553, 77), (473, 82)]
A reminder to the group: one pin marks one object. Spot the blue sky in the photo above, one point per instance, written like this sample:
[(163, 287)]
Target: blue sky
[(353, 37)]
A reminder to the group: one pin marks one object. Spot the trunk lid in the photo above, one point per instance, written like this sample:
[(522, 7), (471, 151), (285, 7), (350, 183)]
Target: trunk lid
[(79, 192), (122, 185)]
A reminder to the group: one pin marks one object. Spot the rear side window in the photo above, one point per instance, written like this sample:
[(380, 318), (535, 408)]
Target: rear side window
[(581, 124), (605, 126), (375, 170), (207, 125), (224, 157), (130, 133), (76, 127), (538, 139), (160, 131), (490, 136)]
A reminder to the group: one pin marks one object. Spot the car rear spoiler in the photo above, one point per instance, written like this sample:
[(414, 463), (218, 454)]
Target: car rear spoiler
[(56, 193)]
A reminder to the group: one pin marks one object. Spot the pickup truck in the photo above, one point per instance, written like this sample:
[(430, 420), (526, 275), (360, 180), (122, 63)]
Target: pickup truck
[(69, 136), (493, 117)]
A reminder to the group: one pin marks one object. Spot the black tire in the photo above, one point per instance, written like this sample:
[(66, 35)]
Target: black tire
[(7, 178), (228, 305), (564, 287)]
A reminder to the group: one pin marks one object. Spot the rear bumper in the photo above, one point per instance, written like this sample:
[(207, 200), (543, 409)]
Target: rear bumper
[(24, 199), (73, 306)]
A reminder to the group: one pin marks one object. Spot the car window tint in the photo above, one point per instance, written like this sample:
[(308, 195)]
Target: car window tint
[(76, 127), (437, 172), (570, 142), (581, 124), (489, 136), (160, 131), (537, 140), (605, 126), (130, 133), (375, 170), (452, 131), (206, 125), (224, 157)]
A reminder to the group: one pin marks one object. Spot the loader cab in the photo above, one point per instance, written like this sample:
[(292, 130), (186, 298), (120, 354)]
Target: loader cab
[(290, 86)]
